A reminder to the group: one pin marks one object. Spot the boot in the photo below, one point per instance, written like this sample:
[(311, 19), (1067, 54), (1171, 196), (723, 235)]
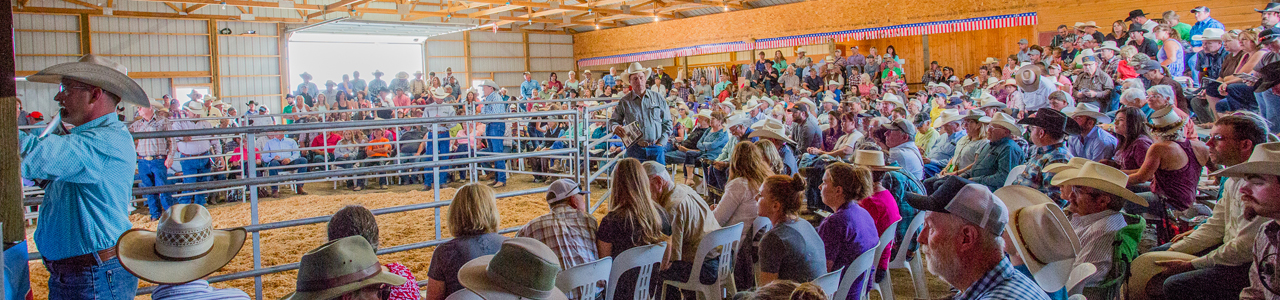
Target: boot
[(301, 191)]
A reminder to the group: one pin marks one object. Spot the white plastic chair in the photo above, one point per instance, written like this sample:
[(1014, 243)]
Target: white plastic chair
[(829, 282), (884, 286), (644, 258), (727, 239), (463, 294), (585, 276), (758, 228), (916, 266), (1013, 174), (862, 267)]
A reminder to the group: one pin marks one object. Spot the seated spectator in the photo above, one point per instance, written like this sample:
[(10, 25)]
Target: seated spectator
[(179, 268), (334, 271), (1002, 154), (902, 150), (382, 151), (1092, 142), (690, 219), (1049, 129), (773, 131), (328, 140), (277, 154), (792, 250), (1173, 166), (738, 131), (1095, 194), (939, 152), (567, 229), (473, 222), (1161, 96), (524, 258), (682, 147), (975, 126), (844, 147), (634, 219), (850, 231), (1262, 201), (880, 202), (1130, 127), (356, 220)]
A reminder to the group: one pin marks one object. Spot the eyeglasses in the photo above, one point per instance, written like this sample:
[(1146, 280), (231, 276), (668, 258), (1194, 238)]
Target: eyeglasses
[(63, 88)]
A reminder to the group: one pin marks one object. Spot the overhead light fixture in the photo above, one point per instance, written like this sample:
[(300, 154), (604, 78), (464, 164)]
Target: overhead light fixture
[(655, 18), (597, 26)]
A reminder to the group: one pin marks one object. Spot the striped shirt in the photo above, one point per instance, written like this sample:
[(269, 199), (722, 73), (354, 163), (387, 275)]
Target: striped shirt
[(1097, 233), (569, 232), (196, 290), (150, 147), (1003, 282)]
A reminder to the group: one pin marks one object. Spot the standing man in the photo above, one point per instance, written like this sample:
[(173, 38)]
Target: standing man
[(152, 154), (418, 87), (358, 84), (189, 146), (495, 129), (86, 203), (529, 87), (1093, 84), (649, 111), (377, 85), (1023, 54), (440, 109), (307, 86), (610, 80)]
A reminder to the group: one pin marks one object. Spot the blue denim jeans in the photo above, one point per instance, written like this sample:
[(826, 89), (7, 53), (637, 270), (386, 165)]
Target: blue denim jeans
[(108, 280), (194, 166), (496, 146), (1269, 104), (441, 147), (277, 163), (653, 152), (153, 173), (1215, 282)]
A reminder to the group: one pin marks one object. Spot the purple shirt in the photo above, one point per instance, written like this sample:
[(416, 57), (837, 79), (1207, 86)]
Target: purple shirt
[(847, 233)]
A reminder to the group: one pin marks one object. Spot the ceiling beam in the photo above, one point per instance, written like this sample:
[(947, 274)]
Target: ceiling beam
[(174, 7), (565, 7), (337, 5), (193, 8), (82, 3), (266, 4), (504, 8), (120, 13)]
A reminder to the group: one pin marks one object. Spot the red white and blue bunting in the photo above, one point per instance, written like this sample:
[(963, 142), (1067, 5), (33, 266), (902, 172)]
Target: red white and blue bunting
[(938, 27)]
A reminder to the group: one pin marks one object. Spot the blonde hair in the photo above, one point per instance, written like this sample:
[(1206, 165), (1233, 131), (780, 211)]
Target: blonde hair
[(854, 181), (1128, 51), (747, 162), (772, 159), (474, 211), (630, 197)]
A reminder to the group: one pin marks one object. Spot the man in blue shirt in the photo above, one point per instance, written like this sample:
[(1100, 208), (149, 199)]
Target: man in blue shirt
[(1092, 142), (306, 86), (86, 202), (999, 156), (940, 151), (489, 93), (609, 79), (529, 87), (357, 84), (1203, 21), (273, 156)]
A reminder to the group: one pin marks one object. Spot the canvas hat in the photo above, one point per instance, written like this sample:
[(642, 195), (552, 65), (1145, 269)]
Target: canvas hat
[(1074, 163), (563, 189), (1099, 176), (1271, 7), (1040, 231), (990, 60), (1028, 77), (830, 98), (892, 98), (1164, 120), (832, 82), (1144, 268), (339, 267), (985, 102), (1051, 120), (1209, 34), (770, 128), (522, 268), (158, 105), (439, 92), (967, 200), (948, 116), (184, 247), (1109, 45), (977, 115), (1022, 42), (635, 68), (97, 71), (1265, 160), (375, 73), (1004, 120), (1137, 28), (1092, 111), (901, 124), (872, 159), (1089, 24), (402, 75), (1135, 13)]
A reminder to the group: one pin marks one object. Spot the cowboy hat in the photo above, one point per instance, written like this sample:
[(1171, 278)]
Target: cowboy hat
[(948, 116), (984, 102), (832, 82), (809, 105), (635, 68), (1089, 24), (1039, 230), (158, 105), (419, 73), (1051, 120), (737, 119), (990, 60), (1074, 163), (770, 128), (1079, 25), (522, 268), (1089, 110), (977, 115), (1271, 7), (195, 107), (375, 73), (1083, 53), (1028, 77), (1144, 268), (1209, 34), (1099, 176), (490, 83), (705, 113), (1004, 120), (439, 92), (891, 98), (339, 267), (1135, 13), (1137, 28), (97, 71), (1079, 273), (184, 247), (830, 98), (1264, 160), (306, 75), (1109, 45), (402, 75), (330, 82), (1164, 120), (872, 159)]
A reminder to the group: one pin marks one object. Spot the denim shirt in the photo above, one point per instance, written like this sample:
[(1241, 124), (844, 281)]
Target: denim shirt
[(1096, 145), (494, 108), (994, 163), (527, 89), (713, 143), (944, 148), (649, 111)]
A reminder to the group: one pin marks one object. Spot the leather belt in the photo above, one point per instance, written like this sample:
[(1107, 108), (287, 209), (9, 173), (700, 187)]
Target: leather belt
[(151, 157), (84, 260)]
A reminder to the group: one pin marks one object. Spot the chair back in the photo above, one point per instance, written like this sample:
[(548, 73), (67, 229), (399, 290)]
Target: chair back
[(463, 294), (829, 282), (900, 260), (860, 268), (585, 277), (885, 238), (645, 258), (1013, 174), (726, 239)]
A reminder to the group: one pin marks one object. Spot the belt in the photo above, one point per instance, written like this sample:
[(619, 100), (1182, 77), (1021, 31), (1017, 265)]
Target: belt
[(151, 157), (84, 260)]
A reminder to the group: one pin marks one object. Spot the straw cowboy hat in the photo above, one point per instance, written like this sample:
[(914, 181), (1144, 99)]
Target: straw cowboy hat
[(338, 267), (195, 107), (635, 68), (833, 82), (772, 129), (490, 83), (990, 60), (307, 76), (1004, 120), (705, 113), (1089, 110), (523, 268), (402, 75), (1265, 160), (948, 116), (1078, 275), (1028, 77), (872, 159), (1099, 176), (977, 115), (417, 73), (1164, 120), (183, 248), (809, 105), (1209, 34), (737, 119), (160, 106), (1080, 57), (97, 71), (1079, 25), (439, 92), (1040, 230), (801, 50), (891, 98), (1143, 269), (1074, 163)]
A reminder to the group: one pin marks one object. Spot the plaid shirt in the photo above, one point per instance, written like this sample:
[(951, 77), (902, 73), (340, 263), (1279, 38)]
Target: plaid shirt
[(571, 233), (1003, 282), (150, 147), (1035, 178)]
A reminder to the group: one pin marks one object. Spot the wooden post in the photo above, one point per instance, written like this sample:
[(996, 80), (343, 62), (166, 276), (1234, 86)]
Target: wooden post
[(466, 57), (86, 38), (524, 37), (282, 48), (924, 44), (214, 67), (10, 186)]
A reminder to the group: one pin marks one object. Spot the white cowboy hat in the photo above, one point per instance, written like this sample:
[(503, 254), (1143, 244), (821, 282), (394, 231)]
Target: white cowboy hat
[(1209, 34), (1040, 232), (184, 247), (339, 267), (402, 75), (891, 98), (737, 119), (805, 93), (490, 83), (1109, 45), (1079, 273), (808, 103), (439, 92), (977, 115), (830, 98), (195, 107), (1099, 176), (1074, 163), (1144, 268), (1090, 24), (872, 159), (772, 129), (1028, 78), (987, 100), (97, 71), (705, 113), (990, 60), (802, 50), (523, 268), (1264, 160), (947, 116), (832, 82), (1089, 110), (1080, 56), (1004, 120), (635, 68), (159, 105), (1079, 25)]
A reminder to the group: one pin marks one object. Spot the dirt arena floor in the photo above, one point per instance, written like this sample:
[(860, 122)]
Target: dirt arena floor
[(287, 245)]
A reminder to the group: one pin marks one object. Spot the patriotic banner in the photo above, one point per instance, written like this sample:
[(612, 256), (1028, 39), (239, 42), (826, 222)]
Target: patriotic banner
[(939, 27)]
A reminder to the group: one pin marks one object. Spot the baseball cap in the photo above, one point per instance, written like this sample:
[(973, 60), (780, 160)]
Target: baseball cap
[(966, 199), (36, 114), (1148, 66), (1022, 41), (901, 124), (1088, 60), (563, 189), (1199, 9)]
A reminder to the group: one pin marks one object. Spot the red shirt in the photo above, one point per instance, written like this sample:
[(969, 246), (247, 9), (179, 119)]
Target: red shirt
[(407, 291), (402, 100), (319, 141), (240, 157)]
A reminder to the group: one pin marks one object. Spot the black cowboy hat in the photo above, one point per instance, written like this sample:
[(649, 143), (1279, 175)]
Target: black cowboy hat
[(1135, 13), (1270, 76), (1137, 27), (1051, 120)]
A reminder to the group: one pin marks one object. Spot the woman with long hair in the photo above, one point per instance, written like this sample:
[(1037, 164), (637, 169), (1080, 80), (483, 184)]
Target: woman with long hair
[(779, 61), (1173, 165), (1171, 55), (850, 230), (634, 219), (1131, 132), (967, 149), (1119, 32), (771, 156), (792, 250), (473, 221), (747, 171)]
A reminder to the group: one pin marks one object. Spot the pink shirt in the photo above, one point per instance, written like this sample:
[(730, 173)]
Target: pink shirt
[(407, 291), (884, 210), (402, 100)]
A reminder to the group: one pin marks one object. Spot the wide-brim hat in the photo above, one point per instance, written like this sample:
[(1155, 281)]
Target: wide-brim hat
[(1209, 34), (1028, 77), (772, 129), (1074, 163), (339, 267), (948, 116), (990, 60), (490, 83), (1271, 7), (159, 105), (1089, 24), (737, 119), (1079, 273), (1051, 120), (1098, 176), (523, 268), (1109, 45), (977, 115), (1089, 110), (985, 102), (1039, 229), (1004, 120), (1265, 160), (891, 98), (872, 159), (1144, 268), (635, 68), (330, 82), (1135, 13), (1164, 120), (1136, 28), (402, 75), (832, 82), (97, 71), (439, 92), (419, 73), (375, 73), (801, 50), (205, 249), (1079, 60), (306, 75), (195, 107)]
